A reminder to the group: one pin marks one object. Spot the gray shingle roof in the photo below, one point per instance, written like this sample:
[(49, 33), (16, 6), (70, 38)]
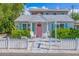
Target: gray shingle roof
[(44, 18)]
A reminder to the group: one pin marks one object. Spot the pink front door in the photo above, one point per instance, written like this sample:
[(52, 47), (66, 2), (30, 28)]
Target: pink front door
[(39, 30)]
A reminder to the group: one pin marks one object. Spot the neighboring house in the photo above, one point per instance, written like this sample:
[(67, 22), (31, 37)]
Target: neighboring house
[(76, 25), (42, 21)]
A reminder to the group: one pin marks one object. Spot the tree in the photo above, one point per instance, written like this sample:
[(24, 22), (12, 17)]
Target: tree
[(8, 13), (75, 16)]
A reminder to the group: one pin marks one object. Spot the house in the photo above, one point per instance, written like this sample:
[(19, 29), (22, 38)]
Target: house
[(42, 21), (76, 24)]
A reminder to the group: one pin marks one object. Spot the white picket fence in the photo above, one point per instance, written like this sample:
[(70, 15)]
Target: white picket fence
[(67, 44), (13, 43), (64, 45)]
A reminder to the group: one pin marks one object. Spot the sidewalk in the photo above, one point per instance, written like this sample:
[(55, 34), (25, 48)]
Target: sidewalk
[(39, 51), (25, 52)]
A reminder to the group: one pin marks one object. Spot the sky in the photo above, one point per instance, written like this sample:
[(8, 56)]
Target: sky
[(52, 5)]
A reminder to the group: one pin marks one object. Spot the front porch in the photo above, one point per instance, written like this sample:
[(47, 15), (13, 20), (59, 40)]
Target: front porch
[(42, 29)]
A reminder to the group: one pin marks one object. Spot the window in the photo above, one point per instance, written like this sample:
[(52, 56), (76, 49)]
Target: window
[(28, 26), (38, 24), (20, 26), (61, 25), (77, 27), (65, 25), (41, 13), (52, 26), (46, 13), (54, 13), (57, 25), (24, 26), (62, 13)]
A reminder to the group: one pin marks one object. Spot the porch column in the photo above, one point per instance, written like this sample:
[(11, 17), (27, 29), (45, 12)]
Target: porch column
[(47, 30), (55, 29), (59, 25), (31, 29), (31, 26)]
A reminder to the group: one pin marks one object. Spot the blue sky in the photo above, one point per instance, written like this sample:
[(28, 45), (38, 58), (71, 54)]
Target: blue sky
[(53, 5)]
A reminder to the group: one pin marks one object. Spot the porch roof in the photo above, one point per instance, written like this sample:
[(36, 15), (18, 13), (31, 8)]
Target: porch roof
[(58, 18), (44, 18), (30, 18)]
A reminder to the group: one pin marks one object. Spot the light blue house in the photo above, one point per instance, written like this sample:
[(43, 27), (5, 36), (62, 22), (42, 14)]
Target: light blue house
[(42, 21)]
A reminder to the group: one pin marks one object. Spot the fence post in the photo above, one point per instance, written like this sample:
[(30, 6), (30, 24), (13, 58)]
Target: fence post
[(27, 43), (7, 43), (76, 44)]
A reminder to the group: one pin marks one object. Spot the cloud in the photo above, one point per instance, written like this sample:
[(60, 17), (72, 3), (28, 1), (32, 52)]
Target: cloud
[(33, 7), (44, 7)]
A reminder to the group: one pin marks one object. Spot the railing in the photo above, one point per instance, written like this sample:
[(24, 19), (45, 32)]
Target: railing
[(13, 43)]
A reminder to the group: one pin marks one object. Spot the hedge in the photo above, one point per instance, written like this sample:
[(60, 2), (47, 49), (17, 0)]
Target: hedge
[(66, 33)]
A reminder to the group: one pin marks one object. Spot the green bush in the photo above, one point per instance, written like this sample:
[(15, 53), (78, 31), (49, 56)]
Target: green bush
[(15, 34), (25, 33), (19, 33), (66, 33)]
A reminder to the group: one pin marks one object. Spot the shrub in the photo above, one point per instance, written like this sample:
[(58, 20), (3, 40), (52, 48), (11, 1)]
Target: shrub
[(25, 33), (19, 33), (66, 33), (15, 34), (63, 33)]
